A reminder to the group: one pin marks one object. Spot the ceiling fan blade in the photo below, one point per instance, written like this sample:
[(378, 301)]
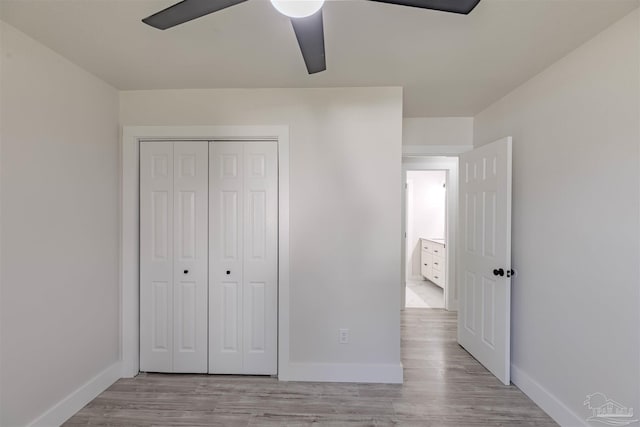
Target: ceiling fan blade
[(310, 34), (455, 6), (185, 11)]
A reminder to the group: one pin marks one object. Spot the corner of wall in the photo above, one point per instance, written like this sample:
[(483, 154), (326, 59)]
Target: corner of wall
[(74, 402)]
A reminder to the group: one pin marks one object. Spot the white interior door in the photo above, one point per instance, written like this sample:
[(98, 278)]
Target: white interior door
[(190, 260), (243, 258), (156, 256), (173, 256), (484, 318)]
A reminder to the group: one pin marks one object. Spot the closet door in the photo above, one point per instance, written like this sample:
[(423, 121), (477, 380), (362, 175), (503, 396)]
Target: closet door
[(260, 299), (173, 256), (190, 304), (243, 258), (156, 256), (225, 269)]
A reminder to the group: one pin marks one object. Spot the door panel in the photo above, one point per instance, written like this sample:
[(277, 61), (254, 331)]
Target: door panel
[(186, 313), (225, 245), (229, 224), (260, 258), (191, 185), (230, 317), (156, 256), (243, 272), (257, 317), (173, 256), (159, 323), (485, 298)]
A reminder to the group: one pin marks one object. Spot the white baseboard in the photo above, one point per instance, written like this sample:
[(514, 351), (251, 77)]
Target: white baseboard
[(67, 407), (545, 400), (344, 372)]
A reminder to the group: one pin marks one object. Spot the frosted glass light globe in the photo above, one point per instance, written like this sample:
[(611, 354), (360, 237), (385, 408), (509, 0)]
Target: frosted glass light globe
[(297, 8)]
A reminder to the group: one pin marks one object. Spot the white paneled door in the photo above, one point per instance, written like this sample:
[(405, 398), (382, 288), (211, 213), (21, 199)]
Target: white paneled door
[(173, 256), (243, 258), (484, 317), (208, 257)]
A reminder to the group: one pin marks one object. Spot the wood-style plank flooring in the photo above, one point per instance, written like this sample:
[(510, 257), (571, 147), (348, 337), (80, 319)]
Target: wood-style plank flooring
[(444, 386)]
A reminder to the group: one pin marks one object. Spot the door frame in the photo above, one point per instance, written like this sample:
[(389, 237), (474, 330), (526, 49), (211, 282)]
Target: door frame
[(130, 226), (450, 166), (435, 157)]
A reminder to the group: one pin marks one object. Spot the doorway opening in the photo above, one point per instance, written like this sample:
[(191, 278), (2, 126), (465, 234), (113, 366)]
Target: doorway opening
[(479, 271), (430, 193), (426, 195)]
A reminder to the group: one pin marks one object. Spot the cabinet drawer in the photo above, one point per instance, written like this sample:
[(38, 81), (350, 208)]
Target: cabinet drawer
[(432, 247), (438, 278), (437, 249), (438, 263), (426, 259), (426, 270)]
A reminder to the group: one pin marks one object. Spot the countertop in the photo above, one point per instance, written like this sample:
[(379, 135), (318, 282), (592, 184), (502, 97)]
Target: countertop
[(441, 241)]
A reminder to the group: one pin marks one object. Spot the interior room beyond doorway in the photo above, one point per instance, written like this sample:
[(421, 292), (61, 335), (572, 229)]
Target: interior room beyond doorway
[(426, 238)]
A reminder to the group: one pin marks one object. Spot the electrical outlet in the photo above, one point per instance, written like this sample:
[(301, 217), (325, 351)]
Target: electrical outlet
[(344, 336)]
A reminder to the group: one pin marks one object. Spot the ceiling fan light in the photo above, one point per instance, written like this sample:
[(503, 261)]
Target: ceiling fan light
[(297, 8)]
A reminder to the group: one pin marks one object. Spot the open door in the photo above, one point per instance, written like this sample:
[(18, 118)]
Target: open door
[(484, 319)]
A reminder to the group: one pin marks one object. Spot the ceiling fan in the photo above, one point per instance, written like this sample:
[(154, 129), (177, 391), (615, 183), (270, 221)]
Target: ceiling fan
[(305, 15)]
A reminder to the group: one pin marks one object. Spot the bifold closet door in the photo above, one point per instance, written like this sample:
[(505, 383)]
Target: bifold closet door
[(173, 256), (243, 258)]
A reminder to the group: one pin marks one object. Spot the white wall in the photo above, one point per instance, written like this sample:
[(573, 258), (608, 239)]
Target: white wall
[(427, 208), (59, 195), (575, 304), (437, 131), (345, 148)]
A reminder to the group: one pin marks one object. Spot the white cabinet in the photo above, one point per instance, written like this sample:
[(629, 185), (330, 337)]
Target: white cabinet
[(433, 261)]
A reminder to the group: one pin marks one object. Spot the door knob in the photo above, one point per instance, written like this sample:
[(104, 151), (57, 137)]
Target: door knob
[(186, 272), (228, 271), (498, 272)]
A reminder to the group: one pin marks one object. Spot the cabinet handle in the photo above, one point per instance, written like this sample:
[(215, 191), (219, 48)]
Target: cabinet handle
[(435, 263), (435, 277)]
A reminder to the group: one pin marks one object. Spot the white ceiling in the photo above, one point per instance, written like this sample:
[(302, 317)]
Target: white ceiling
[(449, 65)]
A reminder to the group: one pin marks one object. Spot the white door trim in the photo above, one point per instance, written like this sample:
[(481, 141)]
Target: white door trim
[(434, 150), (129, 227), (450, 165)]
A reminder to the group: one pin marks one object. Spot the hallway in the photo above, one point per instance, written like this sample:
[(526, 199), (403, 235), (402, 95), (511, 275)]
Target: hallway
[(444, 386)]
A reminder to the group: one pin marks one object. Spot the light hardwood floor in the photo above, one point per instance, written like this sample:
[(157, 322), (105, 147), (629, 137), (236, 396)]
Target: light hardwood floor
[(444, 386)]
